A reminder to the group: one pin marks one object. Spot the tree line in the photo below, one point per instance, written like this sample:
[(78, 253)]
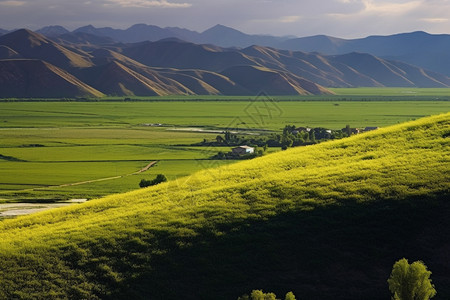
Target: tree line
[(291, 136)]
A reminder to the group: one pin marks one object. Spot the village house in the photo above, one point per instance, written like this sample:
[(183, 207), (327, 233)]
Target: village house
[(243, 150)]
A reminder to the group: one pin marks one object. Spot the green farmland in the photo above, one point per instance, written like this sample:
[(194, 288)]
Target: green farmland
[(48, 148)]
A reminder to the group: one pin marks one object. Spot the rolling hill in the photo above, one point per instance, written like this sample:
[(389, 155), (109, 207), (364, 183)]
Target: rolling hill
[(28, 78), (116, 79), (35, 46), (325, 221)]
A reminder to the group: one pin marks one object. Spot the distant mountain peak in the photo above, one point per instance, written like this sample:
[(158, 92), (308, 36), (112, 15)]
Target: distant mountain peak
[(141, 26), (53, 30), (221, 28), (23, 34), (172, 39), (88, 28)]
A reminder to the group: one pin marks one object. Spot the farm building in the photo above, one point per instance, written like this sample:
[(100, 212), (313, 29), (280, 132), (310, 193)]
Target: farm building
[(370, 128), (242, 150)]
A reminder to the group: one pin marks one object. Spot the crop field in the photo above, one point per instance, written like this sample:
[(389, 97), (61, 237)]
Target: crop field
[(47, 149)]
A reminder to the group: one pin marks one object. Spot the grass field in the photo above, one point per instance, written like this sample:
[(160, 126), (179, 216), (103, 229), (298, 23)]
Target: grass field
[(356, 94), (443, 93), (56, 143), (325, 221), (219, 114)]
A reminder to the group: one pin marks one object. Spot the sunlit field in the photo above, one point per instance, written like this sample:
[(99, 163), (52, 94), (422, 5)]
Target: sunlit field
[(342, 204)]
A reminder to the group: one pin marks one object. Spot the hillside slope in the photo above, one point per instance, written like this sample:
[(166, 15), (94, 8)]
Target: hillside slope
[(35, 46), (325, 221), (348, 70), (36, 78)]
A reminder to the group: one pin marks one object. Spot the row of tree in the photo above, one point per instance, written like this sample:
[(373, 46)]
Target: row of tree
[(290, 137)]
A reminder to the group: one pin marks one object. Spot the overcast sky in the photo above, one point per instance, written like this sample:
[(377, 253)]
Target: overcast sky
[(340, 18)]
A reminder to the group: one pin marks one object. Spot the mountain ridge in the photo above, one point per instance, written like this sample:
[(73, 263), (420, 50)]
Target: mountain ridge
[(144, 66), (404, 44)]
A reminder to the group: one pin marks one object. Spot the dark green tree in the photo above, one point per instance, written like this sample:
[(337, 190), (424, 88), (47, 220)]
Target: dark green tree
[(159, 178), (312, 136), (144, 183), (410, 281), (219, 139), (348, 130)]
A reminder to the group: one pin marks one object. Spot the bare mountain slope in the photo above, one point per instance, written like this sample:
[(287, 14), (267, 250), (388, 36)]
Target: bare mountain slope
[(173, 66), (8, 53), (348, 70), (33, 45), (116, 79), (36, 78), (273, 82)]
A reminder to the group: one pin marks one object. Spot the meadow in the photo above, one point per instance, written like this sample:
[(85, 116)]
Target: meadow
[(325, 221), (47, 144)]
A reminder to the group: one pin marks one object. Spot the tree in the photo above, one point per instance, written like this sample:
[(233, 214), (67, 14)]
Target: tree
[(144, 183), (312, 136), (159, 178), (221, 155), (411, 281), (348, 130), (219, 139), (289, 296), (260, 295)]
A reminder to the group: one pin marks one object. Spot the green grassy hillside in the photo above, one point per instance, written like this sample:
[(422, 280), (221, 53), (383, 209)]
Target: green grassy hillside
[(325, 221)]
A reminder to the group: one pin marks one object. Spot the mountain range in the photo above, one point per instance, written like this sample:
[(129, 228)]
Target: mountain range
[(428, 51), (93, 64)]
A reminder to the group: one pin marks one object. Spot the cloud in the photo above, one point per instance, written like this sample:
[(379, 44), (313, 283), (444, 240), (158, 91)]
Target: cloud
[(342, 18), (146, 3), (389, 8), (12, 3), (435, 20), (284, 19), (289, 19)]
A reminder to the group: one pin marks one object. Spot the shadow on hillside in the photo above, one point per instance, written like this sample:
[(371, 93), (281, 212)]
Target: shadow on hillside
[(337, 252)]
